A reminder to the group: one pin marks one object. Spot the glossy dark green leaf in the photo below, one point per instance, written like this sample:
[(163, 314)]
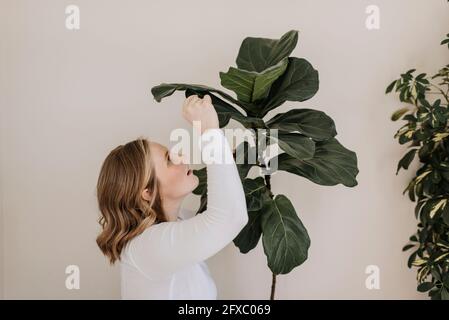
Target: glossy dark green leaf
[(249, 236), (295, 144), (298, 83), (251, 86), (390, 87), (332, 164), (411, 259), (406, 160), (312, 123), (167, 89), (285, 239), (258, 54), (425, 151), (256, 193)]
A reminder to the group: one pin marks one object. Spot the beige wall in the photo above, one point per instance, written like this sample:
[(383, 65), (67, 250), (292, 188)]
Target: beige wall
[(69, 97), (2, 233), (3, 76)]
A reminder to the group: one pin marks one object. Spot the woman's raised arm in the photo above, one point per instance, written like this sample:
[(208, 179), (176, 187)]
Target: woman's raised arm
[(168, 246)]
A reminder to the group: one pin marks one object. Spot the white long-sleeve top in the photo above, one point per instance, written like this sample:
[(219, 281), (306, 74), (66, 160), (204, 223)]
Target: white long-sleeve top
[(166, 261)]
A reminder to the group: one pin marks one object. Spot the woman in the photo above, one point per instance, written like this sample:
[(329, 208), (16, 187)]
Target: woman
[(140, 192)]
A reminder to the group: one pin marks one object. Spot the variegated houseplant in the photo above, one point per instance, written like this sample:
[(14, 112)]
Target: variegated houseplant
[(426, 114)]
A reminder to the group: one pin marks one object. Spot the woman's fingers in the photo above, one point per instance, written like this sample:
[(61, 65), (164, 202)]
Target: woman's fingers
[(207, 99), (190, 99), (197, 109), (188, 102)]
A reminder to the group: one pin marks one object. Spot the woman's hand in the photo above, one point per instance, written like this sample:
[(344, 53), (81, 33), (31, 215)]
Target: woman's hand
[(202, 110)]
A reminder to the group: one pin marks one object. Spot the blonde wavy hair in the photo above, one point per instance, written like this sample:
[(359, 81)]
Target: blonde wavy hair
[(124, 174)]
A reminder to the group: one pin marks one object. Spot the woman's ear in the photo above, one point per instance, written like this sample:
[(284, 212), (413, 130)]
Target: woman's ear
[(146, 194)]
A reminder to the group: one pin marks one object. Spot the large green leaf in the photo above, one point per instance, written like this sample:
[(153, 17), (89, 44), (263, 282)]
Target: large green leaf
[(295, 144), (298, 83), (285, 239), (167, 89), (249, 236), (258, 54), (251, 86), (312, 123), (225, 112), (332, 164)]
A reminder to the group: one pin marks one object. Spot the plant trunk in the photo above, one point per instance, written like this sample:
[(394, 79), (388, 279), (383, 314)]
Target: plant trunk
[(273, 278), (267, 178)]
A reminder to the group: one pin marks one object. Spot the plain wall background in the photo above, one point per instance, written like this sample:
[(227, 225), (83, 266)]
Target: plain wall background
[(69, 97)]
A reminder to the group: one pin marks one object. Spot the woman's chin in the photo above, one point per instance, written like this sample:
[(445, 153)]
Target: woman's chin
[(196, 182)]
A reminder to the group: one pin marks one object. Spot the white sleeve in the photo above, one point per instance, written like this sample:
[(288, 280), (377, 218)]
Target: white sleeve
[(168, 246)]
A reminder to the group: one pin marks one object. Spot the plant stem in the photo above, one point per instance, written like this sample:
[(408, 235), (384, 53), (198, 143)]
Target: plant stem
[(273, 279), (273, 286), (268, 182), (267, 178)]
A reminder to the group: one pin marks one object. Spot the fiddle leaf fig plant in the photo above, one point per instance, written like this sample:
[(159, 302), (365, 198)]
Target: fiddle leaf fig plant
[(425, 112), (265, 78)]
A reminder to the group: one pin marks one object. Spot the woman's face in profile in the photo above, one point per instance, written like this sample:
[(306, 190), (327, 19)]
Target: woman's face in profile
[(175, 177)]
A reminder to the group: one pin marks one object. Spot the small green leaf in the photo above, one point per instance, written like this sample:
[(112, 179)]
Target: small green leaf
[(425, 286), (406, 160), (249, 236), (408, 246), (399, 113), (390, 87)]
